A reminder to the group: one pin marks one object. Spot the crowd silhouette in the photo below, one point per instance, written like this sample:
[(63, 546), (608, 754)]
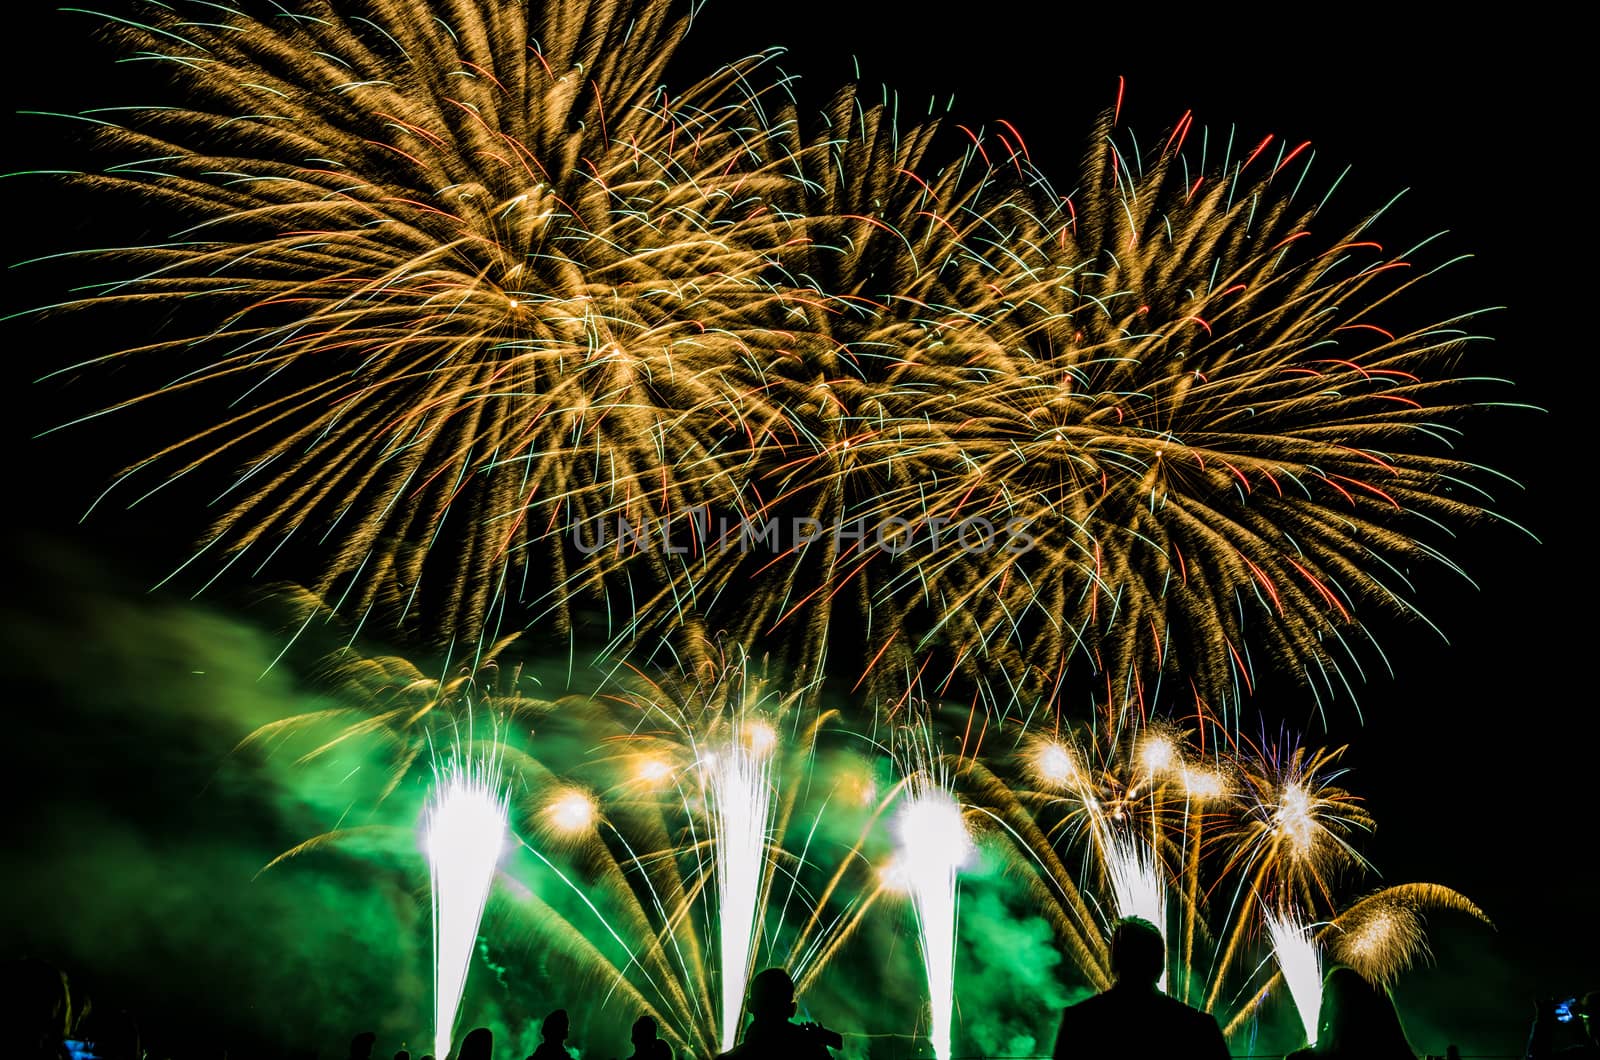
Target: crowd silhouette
[(1357, 1021), (646, 1043), (1132, 1020), (553, 1037)]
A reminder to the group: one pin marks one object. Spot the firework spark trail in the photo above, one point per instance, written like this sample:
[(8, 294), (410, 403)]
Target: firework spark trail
[(1383, 934), (1136, 883), (469, 268), (471, 286), (645, 869), (465, 833), (1215, 440), (1301, 964), (867, 234), (739, 788), (1298, 823), (933, 845)]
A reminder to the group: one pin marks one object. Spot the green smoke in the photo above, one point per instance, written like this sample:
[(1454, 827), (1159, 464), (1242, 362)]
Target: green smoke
[(1010, 980), (141, 871), (140, 867)]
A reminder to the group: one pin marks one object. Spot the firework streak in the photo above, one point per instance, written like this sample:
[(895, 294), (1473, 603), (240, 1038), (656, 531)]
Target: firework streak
[(465, 834)]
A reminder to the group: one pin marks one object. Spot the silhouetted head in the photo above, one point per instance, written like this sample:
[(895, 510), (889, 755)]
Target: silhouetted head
[(402, 1054), (1138, 952), (644, 1031), (772, 995), (1358, 1018), (361, 1045), (554, 1028), (477, 1045)]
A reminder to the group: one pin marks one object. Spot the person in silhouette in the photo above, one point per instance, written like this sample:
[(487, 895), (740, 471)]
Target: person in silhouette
[(361, 1045), (33, 1010), (477, 1045), (646, 1046), (771, 1035), (1134, 1018), (1575, 1038), (553, 1038), (1357, 1021), (402, 1054)]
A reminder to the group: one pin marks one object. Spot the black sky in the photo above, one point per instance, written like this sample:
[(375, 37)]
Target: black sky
[(1478, 755)]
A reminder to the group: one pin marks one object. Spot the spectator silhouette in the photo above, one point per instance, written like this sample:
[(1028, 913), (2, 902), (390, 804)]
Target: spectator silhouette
[(1357, 1021), (477, 1045), (402, 1054), (770, 1035), (553, 1037), (646, 1046), (361, 1045), (1134, 1019), (1578, 1039), (34, 1015)]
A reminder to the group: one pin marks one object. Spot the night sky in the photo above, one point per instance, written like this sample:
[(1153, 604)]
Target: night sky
[(1476, 756)]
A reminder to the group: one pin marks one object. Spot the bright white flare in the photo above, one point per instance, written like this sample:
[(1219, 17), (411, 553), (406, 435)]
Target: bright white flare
[(1295, 818), (572, 811), (892, 876), (1202, 784), (465, 831), (1054, 763), (761, 736), (1301, 965), (1158, 753), (653, 771), (1136, 883), (739, 797), (933, 846)]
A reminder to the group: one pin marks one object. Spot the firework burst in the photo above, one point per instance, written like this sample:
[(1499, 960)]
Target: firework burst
[(497, 325), (1210, 840), (467, 283), (488, 319), (1198, 404), (1383, 934)]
